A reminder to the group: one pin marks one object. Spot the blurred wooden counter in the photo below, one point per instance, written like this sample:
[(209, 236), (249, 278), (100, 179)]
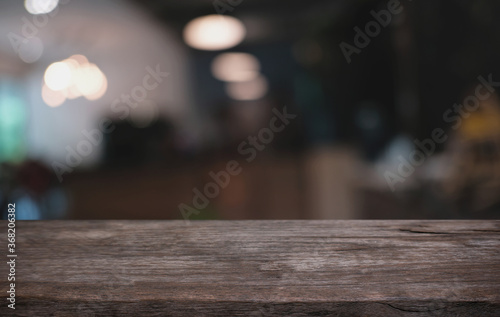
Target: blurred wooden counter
[(256, 268)]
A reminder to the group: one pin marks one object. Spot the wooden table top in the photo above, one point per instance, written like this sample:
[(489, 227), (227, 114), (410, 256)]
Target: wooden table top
[(256, 268)]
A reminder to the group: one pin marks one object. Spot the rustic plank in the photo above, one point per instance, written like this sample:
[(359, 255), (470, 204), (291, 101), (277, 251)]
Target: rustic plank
[(257, 268)]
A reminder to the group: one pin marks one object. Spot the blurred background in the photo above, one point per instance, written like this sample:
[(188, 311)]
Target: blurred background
[(331, 109)]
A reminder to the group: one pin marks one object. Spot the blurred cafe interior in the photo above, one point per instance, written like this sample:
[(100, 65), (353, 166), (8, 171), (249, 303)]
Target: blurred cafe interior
[(250, 109)]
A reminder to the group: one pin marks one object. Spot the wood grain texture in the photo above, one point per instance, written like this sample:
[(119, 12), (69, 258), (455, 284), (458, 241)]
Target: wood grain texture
[(256, 268)]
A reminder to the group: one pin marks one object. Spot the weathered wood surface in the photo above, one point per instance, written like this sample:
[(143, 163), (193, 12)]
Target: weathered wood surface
[(257, 268)]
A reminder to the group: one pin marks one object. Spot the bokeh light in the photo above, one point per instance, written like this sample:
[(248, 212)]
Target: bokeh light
[(40, 6), (89, 79), (58, 76), (235, 67), (72, 78), (214, 32), (101, 90), (51, 97)]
